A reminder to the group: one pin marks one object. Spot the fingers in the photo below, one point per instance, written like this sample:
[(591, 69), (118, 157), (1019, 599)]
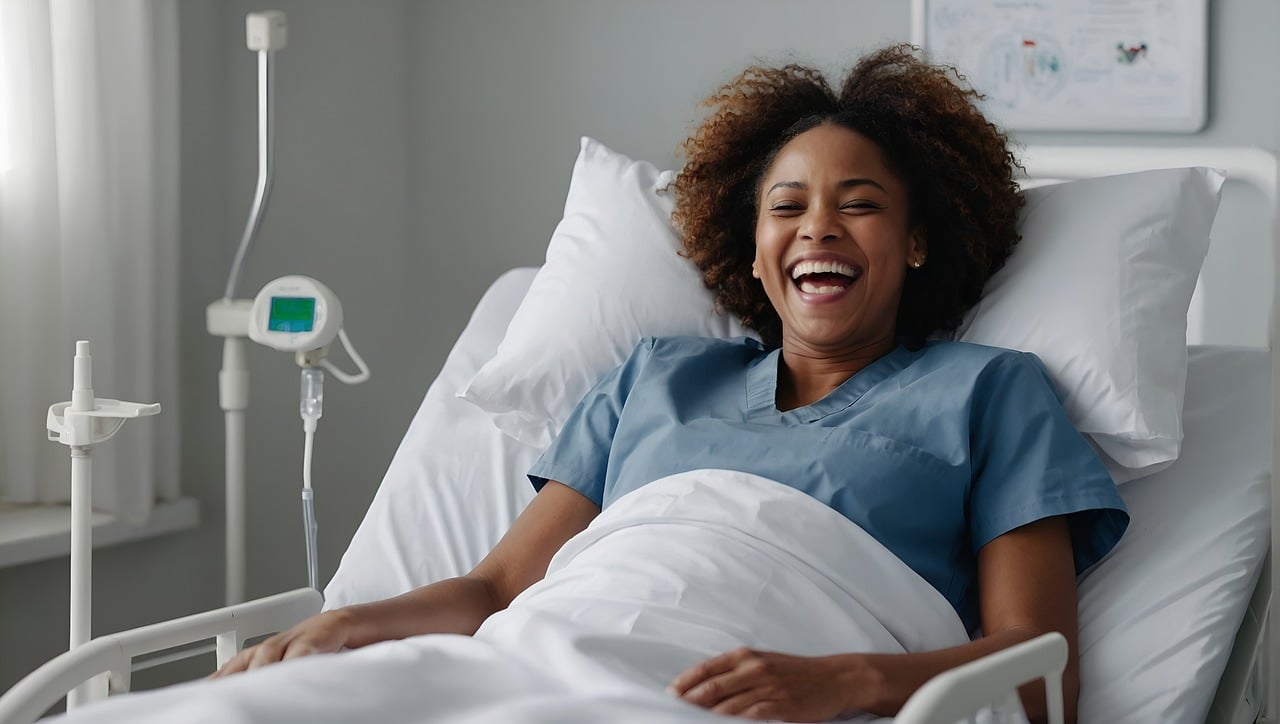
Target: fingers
[(749, 704), (268, 652), (323, 633), (721, 689), (727, 684), (235, 665), (699, 673), (760, 685), (297, 649)]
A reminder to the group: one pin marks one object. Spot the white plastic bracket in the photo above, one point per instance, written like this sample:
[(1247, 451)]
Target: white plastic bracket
[(266, 31), (228, 317), (86, 420), (84, 428)]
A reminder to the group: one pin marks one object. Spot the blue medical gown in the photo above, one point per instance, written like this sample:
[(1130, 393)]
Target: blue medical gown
[(934, 452)]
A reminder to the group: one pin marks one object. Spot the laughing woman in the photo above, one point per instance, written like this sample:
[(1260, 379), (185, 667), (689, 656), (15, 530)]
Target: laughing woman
[(848, 228)]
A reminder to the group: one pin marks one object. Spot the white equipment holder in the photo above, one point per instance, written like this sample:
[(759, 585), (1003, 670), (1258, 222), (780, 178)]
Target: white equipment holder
[(234, 319), (81, 424), (265, 33)]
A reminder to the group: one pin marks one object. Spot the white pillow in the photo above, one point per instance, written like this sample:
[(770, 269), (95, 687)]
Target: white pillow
[(613, 275), (1098, 288)]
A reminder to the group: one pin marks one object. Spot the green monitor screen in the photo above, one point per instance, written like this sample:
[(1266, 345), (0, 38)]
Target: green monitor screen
[(292, 314)]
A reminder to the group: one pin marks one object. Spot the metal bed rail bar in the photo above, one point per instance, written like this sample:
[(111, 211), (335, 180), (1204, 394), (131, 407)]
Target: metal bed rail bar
[(961, 692), (965, 689), (106, 661)]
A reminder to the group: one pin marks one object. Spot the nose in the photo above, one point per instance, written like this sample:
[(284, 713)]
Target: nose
[(820, 224)]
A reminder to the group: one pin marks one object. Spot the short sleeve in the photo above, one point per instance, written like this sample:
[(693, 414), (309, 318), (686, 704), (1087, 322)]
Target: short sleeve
[(579, 455), (1030, 463)]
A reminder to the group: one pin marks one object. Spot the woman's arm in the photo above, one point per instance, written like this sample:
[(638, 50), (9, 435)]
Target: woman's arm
[(1027, 587), (457, 605)]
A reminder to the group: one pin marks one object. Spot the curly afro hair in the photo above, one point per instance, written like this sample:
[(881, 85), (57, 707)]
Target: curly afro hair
[(956, 165)]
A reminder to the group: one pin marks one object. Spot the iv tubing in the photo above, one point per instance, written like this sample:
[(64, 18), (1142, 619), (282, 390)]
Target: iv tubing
[(347, 377), (266, 168), (310, 407), (308, 444), (309, 527)]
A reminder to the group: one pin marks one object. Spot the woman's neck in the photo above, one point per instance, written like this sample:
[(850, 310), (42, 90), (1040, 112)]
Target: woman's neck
[(806, 376)]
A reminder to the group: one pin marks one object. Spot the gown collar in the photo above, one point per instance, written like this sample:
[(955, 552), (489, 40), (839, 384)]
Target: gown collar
[(762, 387)]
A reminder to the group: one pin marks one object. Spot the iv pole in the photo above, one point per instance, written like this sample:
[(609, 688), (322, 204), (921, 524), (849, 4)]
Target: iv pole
[(229, 317)]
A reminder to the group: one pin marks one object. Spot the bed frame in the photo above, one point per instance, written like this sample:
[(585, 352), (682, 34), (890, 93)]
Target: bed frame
[(105, 664)]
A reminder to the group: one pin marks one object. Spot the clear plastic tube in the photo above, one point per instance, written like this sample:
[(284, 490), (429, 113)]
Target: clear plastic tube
[(311, 402), (310, 528), (310, 407), (347, 377)]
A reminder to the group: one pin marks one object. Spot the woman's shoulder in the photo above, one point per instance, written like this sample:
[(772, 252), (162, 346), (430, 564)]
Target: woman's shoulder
[(979, 355), (979, 361), (658, 358), (655, 360)]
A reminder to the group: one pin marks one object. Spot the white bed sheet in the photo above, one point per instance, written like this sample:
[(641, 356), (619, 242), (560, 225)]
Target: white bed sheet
[(1157, 617), (455, 483), (676, 572)]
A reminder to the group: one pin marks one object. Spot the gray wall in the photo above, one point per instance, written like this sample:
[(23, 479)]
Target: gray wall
[(423, 148)]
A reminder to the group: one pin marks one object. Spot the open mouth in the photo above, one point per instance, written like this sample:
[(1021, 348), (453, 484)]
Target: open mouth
[(824, 277)]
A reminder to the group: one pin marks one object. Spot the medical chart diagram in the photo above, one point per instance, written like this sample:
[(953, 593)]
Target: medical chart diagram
[(1095, 65)]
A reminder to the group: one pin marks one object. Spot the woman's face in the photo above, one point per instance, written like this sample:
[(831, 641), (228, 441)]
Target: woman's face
[(833, 242)]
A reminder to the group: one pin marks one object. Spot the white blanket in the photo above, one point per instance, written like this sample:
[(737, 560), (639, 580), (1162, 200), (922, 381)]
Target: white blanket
[(683, 569)]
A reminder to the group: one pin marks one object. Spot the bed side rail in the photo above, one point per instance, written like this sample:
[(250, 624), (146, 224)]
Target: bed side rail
[(946, 698), (958, 693), (113, 654)]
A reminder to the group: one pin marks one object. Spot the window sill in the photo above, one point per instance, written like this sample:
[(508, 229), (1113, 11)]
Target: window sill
[(31, 533)]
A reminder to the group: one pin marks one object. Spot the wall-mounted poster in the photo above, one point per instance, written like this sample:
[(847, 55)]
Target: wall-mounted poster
[(1076, 65)]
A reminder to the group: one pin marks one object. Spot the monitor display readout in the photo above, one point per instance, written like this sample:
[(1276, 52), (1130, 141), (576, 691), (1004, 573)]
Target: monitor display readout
[(292, 314)]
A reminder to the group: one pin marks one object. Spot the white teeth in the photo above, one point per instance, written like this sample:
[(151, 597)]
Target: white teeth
[(820, 267), (809, 287)]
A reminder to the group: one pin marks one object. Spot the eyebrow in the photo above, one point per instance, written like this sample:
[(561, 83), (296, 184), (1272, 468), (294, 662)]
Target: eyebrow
[(845, 184)]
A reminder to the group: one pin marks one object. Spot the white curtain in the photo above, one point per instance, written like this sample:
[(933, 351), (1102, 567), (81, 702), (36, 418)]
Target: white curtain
[(89, 239)]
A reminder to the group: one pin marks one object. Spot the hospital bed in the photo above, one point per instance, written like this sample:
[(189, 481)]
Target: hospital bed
[(1171, 623)]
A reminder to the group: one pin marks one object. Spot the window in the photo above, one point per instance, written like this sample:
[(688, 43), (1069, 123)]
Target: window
[(82, 193)]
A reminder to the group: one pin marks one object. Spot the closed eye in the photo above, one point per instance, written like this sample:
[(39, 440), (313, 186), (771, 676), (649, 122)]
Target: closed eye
[(861, 206)]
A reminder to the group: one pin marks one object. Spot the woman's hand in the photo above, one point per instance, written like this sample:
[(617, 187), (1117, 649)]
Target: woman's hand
[(455, 605), (765, 685), (323, 633)]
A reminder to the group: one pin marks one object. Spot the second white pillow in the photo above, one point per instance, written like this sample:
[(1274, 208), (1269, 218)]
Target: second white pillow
[(613, 274), (1098, 288)]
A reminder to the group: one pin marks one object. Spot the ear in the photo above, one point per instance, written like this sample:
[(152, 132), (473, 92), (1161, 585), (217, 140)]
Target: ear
[(919, 248), (755, 272)]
